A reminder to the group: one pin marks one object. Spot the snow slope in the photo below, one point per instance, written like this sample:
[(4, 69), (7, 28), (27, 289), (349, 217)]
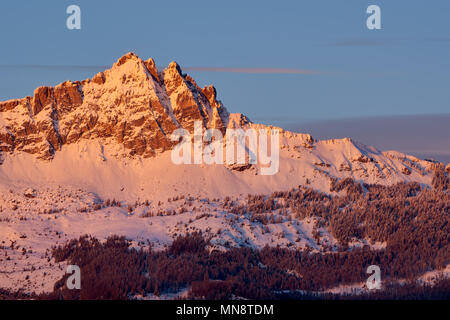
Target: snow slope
[(95, 167)]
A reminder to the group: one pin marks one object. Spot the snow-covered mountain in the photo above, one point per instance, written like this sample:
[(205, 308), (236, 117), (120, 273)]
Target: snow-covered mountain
[(112, 133), (69, 150), (132, 104)]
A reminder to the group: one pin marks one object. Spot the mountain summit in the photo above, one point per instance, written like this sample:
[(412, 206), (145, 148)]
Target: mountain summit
[(132, 104)]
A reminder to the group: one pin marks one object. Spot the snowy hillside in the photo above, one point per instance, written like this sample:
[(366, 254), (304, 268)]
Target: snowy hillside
[(94, 157)]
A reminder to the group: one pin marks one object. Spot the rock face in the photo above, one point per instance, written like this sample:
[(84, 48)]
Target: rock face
[(132, 104)]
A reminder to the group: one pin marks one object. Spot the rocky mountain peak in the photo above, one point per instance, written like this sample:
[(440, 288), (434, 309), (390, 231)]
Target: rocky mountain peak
[(128, 56), (151, 67), (132, 104)]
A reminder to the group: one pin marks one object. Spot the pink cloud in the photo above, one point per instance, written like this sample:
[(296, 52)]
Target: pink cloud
[(253, 70)]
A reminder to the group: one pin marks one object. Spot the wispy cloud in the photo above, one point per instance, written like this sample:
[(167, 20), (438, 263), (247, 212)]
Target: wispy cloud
[(293, 71), (384, 42), (358, 43), (254, 70), (196, 69), (437, 40), (54, 67)]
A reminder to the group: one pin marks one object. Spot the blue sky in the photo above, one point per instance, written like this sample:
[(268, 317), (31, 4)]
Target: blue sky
[(403, 69)]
